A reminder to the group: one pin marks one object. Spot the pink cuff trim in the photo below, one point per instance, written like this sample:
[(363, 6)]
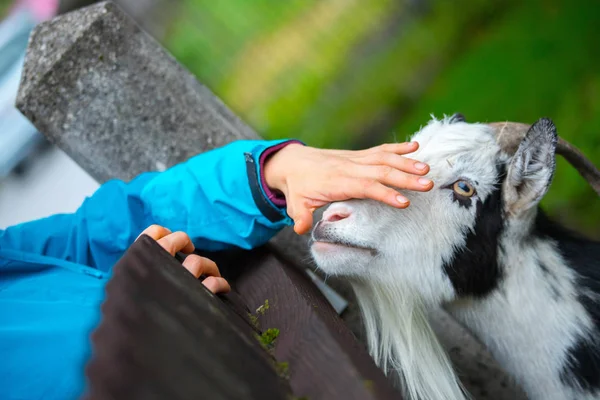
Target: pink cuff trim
[(275, 197)]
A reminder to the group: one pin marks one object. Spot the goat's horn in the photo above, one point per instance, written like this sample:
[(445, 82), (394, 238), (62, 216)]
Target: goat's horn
[(510, 134), (581, 163)]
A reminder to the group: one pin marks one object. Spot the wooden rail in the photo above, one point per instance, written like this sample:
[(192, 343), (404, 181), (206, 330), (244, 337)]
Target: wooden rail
[(164, 336)]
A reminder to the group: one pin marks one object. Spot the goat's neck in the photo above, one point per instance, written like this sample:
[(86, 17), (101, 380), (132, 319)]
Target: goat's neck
[(535, 316)]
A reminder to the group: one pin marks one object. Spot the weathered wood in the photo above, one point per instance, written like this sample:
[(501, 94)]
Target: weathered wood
[(164, 336), (325, 360)]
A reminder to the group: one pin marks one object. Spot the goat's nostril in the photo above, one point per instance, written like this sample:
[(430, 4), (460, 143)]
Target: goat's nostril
[(335, 215)]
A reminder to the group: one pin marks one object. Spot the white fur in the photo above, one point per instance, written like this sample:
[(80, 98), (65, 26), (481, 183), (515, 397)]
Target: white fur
[(403, 343), (526, 328)]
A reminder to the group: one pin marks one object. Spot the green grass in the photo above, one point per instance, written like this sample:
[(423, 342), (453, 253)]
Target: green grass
[(207, 36), (4, 6), (540, 60), (336, 79), (374, 71)]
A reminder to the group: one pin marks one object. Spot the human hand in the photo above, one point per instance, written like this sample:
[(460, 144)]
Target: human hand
[(310, 178), (174, 242)]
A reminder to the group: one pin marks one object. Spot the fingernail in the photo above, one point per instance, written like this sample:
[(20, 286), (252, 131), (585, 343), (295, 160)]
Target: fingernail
[(402, 200), (420, 165), (424, 181)]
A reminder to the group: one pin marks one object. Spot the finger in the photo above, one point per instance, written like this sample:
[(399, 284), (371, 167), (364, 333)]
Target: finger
[(201, 266), (216, 284), (155, 232), (392, 177), (371, 189), (178, 241), (396, 148), (304, 222), (290, 210), (395, 161), (303, 214)]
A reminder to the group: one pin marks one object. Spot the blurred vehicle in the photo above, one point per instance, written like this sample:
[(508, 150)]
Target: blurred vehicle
[(18, 137)]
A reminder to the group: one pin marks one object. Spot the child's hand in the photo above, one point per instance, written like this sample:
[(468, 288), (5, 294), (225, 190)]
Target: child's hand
[(174, 242), (311, 178)]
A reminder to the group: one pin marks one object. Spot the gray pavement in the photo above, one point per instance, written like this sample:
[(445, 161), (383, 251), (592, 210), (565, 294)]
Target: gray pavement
[(51, 184)]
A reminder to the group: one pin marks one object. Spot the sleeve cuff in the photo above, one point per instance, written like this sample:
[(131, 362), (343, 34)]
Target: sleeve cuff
[(274, 197)]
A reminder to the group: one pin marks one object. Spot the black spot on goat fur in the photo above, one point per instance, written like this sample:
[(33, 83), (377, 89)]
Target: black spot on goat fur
[(550, 278), (582, 366), (474, 269), (544, 269)]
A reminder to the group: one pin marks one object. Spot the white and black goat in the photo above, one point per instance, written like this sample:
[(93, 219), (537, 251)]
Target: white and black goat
[(479, 245)]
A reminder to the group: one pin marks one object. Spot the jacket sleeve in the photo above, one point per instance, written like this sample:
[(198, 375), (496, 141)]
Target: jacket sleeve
[(217, 197)]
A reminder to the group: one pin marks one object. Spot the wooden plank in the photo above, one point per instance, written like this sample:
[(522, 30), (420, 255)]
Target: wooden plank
[(164, 336), (325, 361)]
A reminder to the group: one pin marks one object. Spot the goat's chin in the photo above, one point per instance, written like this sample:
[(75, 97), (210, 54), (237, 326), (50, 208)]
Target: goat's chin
[(336, 259)]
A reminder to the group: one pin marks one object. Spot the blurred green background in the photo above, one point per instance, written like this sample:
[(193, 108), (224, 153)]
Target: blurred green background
[(351, 74)]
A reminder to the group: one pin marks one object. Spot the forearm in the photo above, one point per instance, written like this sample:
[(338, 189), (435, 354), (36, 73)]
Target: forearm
[(221, 201), (216, 197)]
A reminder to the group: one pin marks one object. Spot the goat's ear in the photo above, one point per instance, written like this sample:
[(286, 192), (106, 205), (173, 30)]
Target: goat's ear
[(531, 170)]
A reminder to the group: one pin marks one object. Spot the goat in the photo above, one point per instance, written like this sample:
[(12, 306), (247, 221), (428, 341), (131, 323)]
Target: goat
[(479, 245)]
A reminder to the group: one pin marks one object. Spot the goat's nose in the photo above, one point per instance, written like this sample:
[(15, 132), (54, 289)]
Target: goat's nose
[(334, 214)]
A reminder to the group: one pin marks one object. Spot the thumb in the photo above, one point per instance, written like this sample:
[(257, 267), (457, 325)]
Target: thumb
[(303, 218)]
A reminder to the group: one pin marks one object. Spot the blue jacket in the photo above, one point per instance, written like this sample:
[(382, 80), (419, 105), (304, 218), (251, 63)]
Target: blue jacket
[(53, 270)]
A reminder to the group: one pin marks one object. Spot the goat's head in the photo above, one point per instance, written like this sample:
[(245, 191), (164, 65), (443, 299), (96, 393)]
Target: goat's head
[(489, 179)]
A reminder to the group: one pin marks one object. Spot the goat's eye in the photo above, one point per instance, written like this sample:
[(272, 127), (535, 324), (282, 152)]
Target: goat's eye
[(463, 188)]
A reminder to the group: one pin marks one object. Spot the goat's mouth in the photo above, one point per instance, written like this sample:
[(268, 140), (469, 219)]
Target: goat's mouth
[(327, 242), (347, 245), (325, 239)]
